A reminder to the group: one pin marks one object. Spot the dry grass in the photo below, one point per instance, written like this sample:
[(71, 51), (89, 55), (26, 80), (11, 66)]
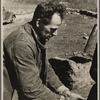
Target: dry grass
[(79, 4), (83, 4)]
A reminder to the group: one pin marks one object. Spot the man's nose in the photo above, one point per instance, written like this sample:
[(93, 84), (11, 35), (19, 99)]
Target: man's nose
[(55, 33)]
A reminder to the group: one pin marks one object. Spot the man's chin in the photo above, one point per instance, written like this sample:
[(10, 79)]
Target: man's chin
[(47, 40)]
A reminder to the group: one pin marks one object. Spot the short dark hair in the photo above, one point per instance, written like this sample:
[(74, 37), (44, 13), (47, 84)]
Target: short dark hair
[(45, 10)]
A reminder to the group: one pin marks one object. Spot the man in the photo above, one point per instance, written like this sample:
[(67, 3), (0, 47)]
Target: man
[(25, 67)]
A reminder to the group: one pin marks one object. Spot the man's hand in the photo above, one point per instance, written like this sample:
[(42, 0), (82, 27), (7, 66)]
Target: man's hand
[(62, 97), (73, 95)]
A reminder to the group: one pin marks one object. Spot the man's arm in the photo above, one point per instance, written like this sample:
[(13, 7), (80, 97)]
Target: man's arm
[(54, 81), (28, 74)]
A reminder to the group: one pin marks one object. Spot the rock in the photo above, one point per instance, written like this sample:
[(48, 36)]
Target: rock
[(8, 16), (73, 74), (81, 77), (86, 37)]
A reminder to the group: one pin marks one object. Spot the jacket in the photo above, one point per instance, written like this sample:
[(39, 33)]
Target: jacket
[(24, 64)]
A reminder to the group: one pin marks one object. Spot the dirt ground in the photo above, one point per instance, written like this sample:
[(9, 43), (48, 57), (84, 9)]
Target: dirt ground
[(70, 34)]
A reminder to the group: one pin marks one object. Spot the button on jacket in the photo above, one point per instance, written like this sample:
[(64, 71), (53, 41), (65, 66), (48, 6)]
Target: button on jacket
[(24, 61)]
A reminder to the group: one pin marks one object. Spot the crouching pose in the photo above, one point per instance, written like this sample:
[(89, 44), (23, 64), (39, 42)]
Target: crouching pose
[(26, 71)]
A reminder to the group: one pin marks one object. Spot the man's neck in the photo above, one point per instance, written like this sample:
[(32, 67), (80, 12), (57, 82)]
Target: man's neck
[(41, 42)]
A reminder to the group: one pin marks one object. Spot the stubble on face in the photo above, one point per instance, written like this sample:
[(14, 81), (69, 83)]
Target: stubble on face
[(50, 29)]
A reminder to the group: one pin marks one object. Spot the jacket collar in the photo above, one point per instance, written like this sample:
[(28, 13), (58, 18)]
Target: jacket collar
[(36, 39), (32, 32)]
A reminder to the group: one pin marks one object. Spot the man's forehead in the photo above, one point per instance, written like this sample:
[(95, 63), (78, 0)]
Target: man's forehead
[(56, 19)]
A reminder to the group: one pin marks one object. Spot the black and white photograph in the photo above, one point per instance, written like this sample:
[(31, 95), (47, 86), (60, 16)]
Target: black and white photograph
[(50, 50)]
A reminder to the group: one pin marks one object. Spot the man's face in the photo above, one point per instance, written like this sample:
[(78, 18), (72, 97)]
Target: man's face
[(50, 30)]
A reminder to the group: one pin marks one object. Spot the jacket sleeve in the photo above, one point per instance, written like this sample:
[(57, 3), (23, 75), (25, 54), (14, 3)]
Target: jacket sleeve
[(28, 73), (52, 79)]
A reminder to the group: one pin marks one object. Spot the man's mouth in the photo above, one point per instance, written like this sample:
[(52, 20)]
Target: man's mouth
[(48, 38)]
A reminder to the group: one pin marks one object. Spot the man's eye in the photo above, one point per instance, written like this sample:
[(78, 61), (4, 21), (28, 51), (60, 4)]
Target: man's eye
[(53, 30)]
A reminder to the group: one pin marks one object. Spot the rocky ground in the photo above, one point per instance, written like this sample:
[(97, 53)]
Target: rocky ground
[(70, 36)]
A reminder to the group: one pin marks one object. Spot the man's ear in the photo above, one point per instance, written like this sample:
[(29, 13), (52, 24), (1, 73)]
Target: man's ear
[(38, 22)]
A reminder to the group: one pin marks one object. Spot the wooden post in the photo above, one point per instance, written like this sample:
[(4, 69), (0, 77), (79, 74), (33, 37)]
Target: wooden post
[(92, 36)]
